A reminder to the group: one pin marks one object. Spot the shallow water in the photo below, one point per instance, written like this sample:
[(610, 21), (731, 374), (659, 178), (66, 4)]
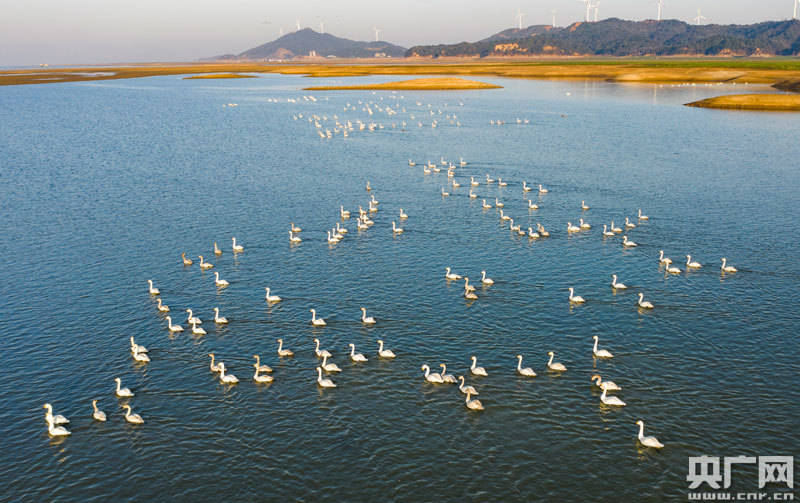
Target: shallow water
[(104, 184)]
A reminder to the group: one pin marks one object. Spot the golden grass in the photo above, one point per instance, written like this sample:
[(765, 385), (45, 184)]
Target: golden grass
[(767, 102), (428, 84), (221, 76)]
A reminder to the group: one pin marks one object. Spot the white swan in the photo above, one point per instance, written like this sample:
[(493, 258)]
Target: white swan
[(98, 415), (467, 286), (692, 264), (629, 224), (469, 295), (214, 367), (486, 206), (532, 206), (532, 234), (512, 227), (284, 352), (611, 400), (293, 238), (455, 184), (332, 239), (477, 371), (186, 261), (488, 180), (217, 251), (606, 232), (466, 389), (451, 276), (647, 441), (237, 248), (558, 367), (542, 231), (220, 282), (485, 280), (140, 357), (498, 203), (445, 193), (162, 307), (271, 298), (219, 319), (432, 378), (318, 352), (600, 353), (324, 381), (446, 378), (472, 195), (132, 418), (56, 431), (190, 318), (317, 322), (173, 328), (584, 225), (226, 378), (672, 269), (197, 330), (501, 183), (259, 378), (368, 187), (643, 303), (527, 371), (204, 264), (57, 419), (583, 206), (345, 214), (473, 404), (395, 229), (261, 368), (294, 228), (122, 392), (662, 259), (615, 230), (341, 231), (403, 214), (472, 182), (628, 244), (367, 320), (153, 290), (727, 268), (542, 190), (572, 228), (356, 357), (384, 353), (643, 217), (137, 348), (577, 299), (329, 367), (615, 285), (603, 385), (525, 187)]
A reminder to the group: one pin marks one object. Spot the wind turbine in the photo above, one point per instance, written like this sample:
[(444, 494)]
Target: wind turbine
[(699, 18), (794, 13), (376, 30), (596, 8), (588, 9), (297, 21), (660, 7), (553, 12), (322, 26), (518, 17)]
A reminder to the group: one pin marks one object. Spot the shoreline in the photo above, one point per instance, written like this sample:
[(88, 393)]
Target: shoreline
[(425, 84), (756, 102)]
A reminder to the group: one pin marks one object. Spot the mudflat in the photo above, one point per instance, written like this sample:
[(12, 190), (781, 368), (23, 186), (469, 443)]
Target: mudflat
[(766, 102), (428, 84)]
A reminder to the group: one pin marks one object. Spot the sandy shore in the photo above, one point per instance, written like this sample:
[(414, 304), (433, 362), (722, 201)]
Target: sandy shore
[(429, 84), (766, 102), (221, 76)]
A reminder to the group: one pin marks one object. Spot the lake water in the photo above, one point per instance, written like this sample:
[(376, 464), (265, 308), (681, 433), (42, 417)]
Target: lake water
[(104, 184)]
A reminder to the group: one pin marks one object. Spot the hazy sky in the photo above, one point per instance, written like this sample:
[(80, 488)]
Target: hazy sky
[(105, 31)]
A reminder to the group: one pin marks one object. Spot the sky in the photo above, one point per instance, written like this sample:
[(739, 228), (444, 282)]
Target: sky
[(61, 32)]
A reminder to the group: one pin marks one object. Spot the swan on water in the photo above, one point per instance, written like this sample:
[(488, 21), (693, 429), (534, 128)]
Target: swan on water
[(403, 215), (140, 357), (605, 385), (467, 286), (692, 264), (395, 229), (525, 187), (615, 285), (577, 299), (643, 303), (238, 248), (473, 404), (384, 353), (137, 348), (217, 251), (294, 228), (324, 381), (611, 400), (558, 367), (498, 203), (486, 206), (466, 389), (672, 269), (152, 289), (626, 243), (293, 238), (503, 216), (345, 214), (261, 368), (485, 280), (317, 322), (647, 441), (162, 307), (219, 319), (727, 268), (226, 378), (572, 228), (542, 231), (57, 419), (615, 230), (271, 298), (472, 195), (473, 182), (329, 367), (186, 261), (600, 353), (469, 295), (368, 187), (132, 418), (532, 234), (98, 415), (356, 357), (488, 180), (259, 378), (643, 217), (475, 370), (284, 352), (451, 276), (367, 320), (122, 392), (501, 183), (446, 378), (583, 206), (445, 193), (527, 371), (432, 378), (56, 431), (532, 206), (662, 259), (629, 224), (190, 318), (197, 330), (214, 367), (584, 225), (542, 190), (607, 233), (173, 328), (204, 264), (320, 353)]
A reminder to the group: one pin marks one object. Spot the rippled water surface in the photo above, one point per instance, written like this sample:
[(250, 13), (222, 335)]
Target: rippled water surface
[(105, 184)]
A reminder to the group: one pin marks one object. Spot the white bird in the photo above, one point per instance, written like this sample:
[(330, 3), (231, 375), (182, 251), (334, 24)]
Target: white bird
[(261, 368), (153, 290), (643, 217), (162, 307), (532, 206), (629, 224), (132, 418), (140, 357), (284, 352), (647, 441), (542, 231), (672, 269), (204, 264), (572, 228), (615, 230), (466, 389), (98, 415), (527, 371), (197, 330), (615, 285), (525, 187), (57, 431), (577, 299), (691, 264), (583, 206), (137, 348), (219, 319), (271, 298), (341, 231), (324, 381), (609, 385), (451, 276), (317, 322), (356, 357), (727, 268), (215, 367), (467, 286), (600, 353), (643, 303), (499, 204), (333, 239), (237, 248), (190, 318), (186, 261), (542, 190), (469, 295), (445, 193), (485, 280), (367, 320), (395, 229), (217, 251), (220, 282), (294, 228), (558, 367), (486, 206), (626, 243), (345, 214), (293, 238), (472, 195), (226, 378), (584, 225), (446, 378), (489, 180), (384, 353), (57, 419), (477, 371), (122, 392), (259, 378), (532, 234), (501, 183), (432, 378), (173, 328), (473, 404), (607, 233), (320, 353), (611, 400), (662, 259), (472, 182), (403, 215), (329, 367)]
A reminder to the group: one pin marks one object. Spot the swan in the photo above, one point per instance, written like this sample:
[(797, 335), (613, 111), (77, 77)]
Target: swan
[(542, 231), (615, 285), (214, 367), (284, 352), (403, 215), (527, 371), (478, 371), (525, 187), (446, 378), (533, 235), (643, 303), (488, 180), (466, 389), (727, 268), (294, 228), (498, 203), (141, 357), (217, 251), (662, 259), (238, 248), (445, 193), (260, 378), (512, 227), (532, 206), (501, 183), (395, 229), (368, 186), (692, 264), (486, 206), (122, 392), (197, 330), (361, 225), (611, 400), (219, 319), (226, 378), (558, 367), (469, 295), (345, 214), (542, 190), (271, 298), (186, 261), (57, 419), (137, 348), (504, 216), (672, 269), (485, 280), (647, 441), (332, 239), (152, 289), (204, 264), (293, 238), (472, 182), (98, 414), (583, 206), (411, 163), (173, 328), (467, 286), (626, 243), (577, 299), (451, 276), (600, 353), (324, 381), (372, 199), (572, 228), (473, 404), (162, 307), (643, 217), (356, 357), (320, 353), (615, 230), (455, 184), (192, 319), (329, 367), (261, 368), (584, 225), (609, 385), (384, 353), (607, 233), (432, 378), (132, 418), (472, 195), (461, 161), (57, 431), (317, 322), (629, 224)]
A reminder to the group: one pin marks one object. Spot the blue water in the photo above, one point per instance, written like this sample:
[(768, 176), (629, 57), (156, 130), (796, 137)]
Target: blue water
[(103, 185)]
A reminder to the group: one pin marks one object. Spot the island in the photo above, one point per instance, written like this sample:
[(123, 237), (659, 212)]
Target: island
[(766, 102), (425, 84)]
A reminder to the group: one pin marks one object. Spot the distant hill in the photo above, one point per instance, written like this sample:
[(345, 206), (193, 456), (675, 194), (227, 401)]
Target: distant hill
[(616, 37), (303, 42)]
